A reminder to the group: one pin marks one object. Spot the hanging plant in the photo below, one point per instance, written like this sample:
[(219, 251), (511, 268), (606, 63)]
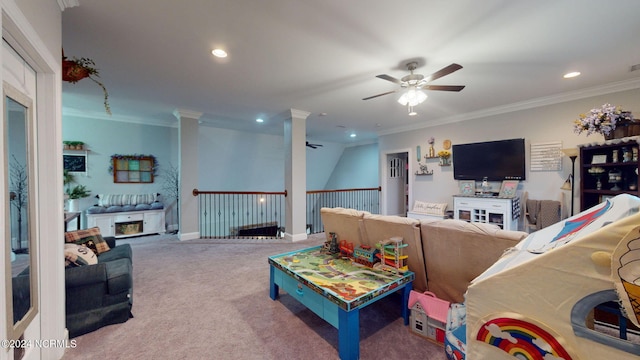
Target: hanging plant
[(76, 69)]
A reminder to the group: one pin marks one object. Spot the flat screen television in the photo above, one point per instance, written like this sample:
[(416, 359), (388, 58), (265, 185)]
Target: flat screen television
[(495, 160)]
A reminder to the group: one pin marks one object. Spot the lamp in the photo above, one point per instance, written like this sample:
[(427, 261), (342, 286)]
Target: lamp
[(412, 97), (569, 184)]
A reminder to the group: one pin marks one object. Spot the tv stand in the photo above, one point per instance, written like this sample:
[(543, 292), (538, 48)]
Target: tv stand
[(503, 212)]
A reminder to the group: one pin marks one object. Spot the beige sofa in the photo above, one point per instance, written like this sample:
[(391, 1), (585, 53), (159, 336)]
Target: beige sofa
[(445, 255)]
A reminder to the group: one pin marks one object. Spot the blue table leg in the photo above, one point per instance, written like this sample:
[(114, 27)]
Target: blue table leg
[(273, 288), (349, 334), (406, 291)]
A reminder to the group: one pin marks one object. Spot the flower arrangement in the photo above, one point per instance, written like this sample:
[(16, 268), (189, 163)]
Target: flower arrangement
[(602, 120), (444, 153)]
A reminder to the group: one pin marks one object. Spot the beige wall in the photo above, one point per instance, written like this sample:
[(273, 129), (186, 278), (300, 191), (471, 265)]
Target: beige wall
[(540, 124)]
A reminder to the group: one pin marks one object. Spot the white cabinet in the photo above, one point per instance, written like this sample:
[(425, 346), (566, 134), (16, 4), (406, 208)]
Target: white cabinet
[(503, 212), (127, 224)]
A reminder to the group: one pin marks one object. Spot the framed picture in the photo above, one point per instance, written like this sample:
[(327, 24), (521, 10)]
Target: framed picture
[(599, 159), (467, 187), (508, 188), (75, 163)]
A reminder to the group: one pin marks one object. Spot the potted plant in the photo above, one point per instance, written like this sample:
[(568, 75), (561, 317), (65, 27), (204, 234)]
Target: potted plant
[(74, 193), (74, 70)]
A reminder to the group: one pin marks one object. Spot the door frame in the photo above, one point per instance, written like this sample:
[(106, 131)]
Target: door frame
[(384, 167)]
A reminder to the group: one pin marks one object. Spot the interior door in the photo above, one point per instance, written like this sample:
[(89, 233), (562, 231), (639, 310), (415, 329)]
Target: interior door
[(396, 184)]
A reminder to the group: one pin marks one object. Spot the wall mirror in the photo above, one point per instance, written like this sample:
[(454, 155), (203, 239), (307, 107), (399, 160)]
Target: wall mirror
[(20, 244)]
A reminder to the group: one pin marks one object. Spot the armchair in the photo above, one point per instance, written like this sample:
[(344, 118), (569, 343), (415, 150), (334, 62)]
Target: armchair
[(100, 294)]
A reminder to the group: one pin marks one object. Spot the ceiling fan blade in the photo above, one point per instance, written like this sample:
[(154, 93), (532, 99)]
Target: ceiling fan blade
[(444, 71), (444, 87), (375, 96), (389, 78)]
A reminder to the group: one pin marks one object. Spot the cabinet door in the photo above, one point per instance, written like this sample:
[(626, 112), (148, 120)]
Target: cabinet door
[(154, 222), (104, 223)]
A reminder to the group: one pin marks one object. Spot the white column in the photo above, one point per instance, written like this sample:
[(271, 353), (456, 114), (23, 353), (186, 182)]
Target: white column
[(188, 169), (295, 174)]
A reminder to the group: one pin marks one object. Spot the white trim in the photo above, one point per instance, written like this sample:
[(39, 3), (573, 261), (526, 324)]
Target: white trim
[(295, 237), (64, 4), (523, 105), (189, 236)]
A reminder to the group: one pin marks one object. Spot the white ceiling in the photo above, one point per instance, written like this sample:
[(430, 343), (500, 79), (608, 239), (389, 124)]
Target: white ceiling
[(155, 57)]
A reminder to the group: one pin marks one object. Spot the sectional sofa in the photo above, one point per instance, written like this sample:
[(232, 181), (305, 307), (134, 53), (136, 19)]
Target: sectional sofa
[(445, 254)]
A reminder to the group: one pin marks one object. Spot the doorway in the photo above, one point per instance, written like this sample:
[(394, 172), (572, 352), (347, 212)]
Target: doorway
[(396, 180)]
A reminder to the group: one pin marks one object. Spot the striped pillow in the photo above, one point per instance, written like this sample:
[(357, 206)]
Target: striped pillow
[(107, 200)]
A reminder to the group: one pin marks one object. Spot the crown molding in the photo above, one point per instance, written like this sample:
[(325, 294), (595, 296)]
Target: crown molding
[(72, 112), (524, 105), (189, 114), (64, 4)]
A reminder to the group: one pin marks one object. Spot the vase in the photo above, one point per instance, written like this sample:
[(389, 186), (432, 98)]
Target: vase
[(432, 151)]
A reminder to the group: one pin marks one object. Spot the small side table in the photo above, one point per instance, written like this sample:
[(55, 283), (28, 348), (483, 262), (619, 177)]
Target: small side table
[(69, 216)]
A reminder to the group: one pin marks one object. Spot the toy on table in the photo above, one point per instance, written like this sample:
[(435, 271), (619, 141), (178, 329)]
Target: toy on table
[(331, 246), (361, 255), (391, 254)]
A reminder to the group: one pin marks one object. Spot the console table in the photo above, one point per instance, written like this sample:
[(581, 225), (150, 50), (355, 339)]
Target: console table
[(318, 280), (503, 212)]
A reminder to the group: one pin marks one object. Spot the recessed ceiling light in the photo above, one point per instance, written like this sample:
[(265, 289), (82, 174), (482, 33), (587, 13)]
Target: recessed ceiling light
[(259, 120), (352, 135), (219, 53), (571, 74)]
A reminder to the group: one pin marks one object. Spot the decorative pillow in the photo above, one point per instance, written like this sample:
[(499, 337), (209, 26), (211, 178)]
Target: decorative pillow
[(430, 208), (78, 255), (91, 238), (107, 200), (142, 207), (157, 205)]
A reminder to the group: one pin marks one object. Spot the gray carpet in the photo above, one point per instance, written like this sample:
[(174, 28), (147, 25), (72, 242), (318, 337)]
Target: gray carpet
[(209, 299)]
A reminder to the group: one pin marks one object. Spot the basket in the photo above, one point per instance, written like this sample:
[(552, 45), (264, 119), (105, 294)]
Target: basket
[(623, 131)]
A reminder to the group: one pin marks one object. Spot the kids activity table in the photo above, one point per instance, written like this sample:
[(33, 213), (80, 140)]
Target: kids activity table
[(336, 290)]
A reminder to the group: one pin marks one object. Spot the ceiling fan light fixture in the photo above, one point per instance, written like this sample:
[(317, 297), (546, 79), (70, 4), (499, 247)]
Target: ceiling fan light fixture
[(219, 53), (411, 111), (412, 97)]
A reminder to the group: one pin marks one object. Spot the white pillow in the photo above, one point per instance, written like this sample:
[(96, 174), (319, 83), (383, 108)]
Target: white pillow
[(79, 255), (429, 208)]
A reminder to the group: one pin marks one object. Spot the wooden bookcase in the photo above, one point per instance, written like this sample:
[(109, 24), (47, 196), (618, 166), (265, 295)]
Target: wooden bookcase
[(602, 156)]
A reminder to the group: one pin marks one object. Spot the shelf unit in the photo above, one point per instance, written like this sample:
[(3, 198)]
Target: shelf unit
[(590, 195), (503, 212)]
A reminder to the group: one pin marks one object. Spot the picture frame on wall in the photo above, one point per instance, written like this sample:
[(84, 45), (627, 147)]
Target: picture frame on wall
[(467, 187), (508, 188)]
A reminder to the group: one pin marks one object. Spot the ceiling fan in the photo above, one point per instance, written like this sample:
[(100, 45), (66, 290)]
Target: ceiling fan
[(313, 146), (414, 82)]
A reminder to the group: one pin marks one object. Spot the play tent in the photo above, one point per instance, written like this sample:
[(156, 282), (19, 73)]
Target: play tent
[(536, 301)]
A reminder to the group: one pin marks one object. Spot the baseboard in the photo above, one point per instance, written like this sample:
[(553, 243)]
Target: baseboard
[(295, 237), (189, 236)]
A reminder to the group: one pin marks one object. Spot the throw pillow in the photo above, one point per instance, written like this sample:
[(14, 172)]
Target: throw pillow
[(91, 238), (78, 255)]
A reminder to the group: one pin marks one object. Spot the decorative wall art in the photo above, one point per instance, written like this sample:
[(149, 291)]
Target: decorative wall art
[(546, 156), (508, 188)]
